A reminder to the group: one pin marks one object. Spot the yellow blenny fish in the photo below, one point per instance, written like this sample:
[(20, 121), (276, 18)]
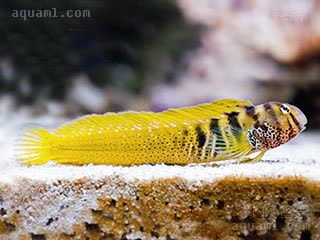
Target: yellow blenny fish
[(221, 130)]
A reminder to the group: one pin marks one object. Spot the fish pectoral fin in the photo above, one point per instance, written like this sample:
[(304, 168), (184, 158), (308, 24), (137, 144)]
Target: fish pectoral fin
[(252, 160), (235, 151), (233, 145)]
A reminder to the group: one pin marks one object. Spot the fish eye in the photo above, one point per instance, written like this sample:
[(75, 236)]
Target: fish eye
[(285, 109)]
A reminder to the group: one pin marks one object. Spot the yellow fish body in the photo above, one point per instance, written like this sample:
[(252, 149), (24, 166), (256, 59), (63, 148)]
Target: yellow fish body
[(221, 130)]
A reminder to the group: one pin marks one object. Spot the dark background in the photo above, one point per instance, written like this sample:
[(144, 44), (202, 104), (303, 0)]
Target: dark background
[(126, 49)]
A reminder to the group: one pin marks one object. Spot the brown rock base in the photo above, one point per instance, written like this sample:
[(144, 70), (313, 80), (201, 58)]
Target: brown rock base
[(229, 208)]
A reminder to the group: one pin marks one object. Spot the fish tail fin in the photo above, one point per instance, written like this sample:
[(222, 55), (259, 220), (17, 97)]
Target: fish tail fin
[(34, 146)]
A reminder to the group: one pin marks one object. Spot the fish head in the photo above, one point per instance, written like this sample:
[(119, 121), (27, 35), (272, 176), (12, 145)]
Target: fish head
[(276, 124)]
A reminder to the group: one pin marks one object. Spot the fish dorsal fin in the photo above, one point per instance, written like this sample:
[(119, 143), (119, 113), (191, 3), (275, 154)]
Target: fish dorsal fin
[(171, 117), (107, 121), (206, 111)]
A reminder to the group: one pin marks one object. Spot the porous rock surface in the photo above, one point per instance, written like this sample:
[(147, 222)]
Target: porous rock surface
[(171, 208)]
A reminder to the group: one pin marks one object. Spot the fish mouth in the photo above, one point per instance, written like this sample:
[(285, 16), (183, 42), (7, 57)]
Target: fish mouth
[(302, 118)]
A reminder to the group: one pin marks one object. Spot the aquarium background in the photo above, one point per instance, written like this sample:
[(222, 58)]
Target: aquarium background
[(153, 55)]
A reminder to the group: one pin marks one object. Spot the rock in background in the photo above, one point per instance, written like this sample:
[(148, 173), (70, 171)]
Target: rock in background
[(261, 51)]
